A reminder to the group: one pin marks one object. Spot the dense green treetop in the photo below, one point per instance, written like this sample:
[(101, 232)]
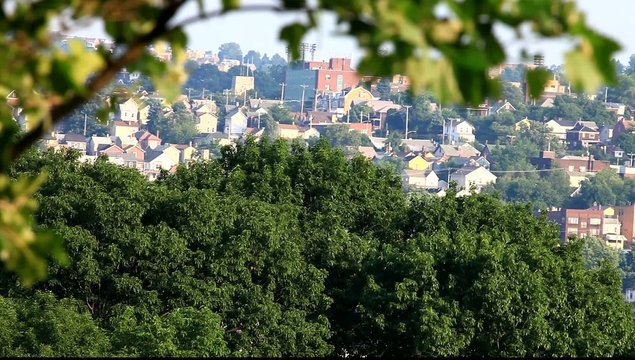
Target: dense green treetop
[(279, 249)]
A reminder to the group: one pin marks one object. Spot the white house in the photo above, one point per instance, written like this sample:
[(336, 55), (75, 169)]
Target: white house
[(156, 160), (559, 128), (129, 110), (462, 131), (426, 179), (629, 296), (476, 178), (235, 122)]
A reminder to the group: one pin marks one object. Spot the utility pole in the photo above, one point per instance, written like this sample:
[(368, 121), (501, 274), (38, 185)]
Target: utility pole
[(606, 93), (282, 94), (226, 92), (189, 93), (84, 124), (302, 103), (258, 120), (245, 98), (203, 96), (315, 100), (407, 107)]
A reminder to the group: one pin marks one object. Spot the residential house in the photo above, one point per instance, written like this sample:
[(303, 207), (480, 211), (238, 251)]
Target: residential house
[(380, 110), (123, 129), (235, 122), (462, 131), (446, 151), (187, 152), (501, 107), (128, 111), (582, 134), (606, 134), (289, 132), (109, 149), (559, 128), (127, 160), (321, 117), (426, 179), (207, 123), (578, 168), (169, 150), (616, 108), (75, 141), (255, 132), (364, 128), (157, 160), (136, 151), (621, 127), (416, 162), (147, 139), (629, 295), (309, 133), (95, 141), (473, 178), (626, 216)]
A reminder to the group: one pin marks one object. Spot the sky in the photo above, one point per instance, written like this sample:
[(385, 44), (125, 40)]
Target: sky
[(259, 31)]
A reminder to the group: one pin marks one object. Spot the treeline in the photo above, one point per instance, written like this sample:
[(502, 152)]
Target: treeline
[(279, 249)]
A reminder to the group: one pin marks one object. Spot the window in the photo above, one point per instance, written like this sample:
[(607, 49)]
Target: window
[(594, 231), (573, 220), (570, 167), (572, 231), (583, 224), (594, 221), (582, 168), (328, 76)]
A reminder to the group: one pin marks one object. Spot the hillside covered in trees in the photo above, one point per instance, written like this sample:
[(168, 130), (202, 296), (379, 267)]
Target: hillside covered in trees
[(276, 249)]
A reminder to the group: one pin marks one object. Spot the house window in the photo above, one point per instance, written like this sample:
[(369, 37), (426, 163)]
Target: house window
[(573, 220), (594, 221), (583, 224), (572, 231), (328, 76), (582, 168), (570, 167), (594, 231)]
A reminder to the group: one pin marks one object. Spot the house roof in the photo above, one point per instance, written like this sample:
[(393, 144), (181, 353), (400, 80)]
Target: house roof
[(126, 124), (321, 116), (419, 144), (368, 151), (380, 106), (181, 146), (74, 138), (123, 156), (502, 104), (145, 135), (449, 150), (288, 127), (581, 126), (466, 170), (589, 124)]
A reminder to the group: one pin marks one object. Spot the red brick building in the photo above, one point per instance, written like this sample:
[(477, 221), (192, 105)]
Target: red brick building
[(579, 222)]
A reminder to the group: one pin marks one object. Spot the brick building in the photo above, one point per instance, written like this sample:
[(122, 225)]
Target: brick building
[(322, 76)]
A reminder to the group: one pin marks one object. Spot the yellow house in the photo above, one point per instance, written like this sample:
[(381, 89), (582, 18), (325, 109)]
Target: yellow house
[(416, 162), (207, 123), (524, 123), (356, 94)]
